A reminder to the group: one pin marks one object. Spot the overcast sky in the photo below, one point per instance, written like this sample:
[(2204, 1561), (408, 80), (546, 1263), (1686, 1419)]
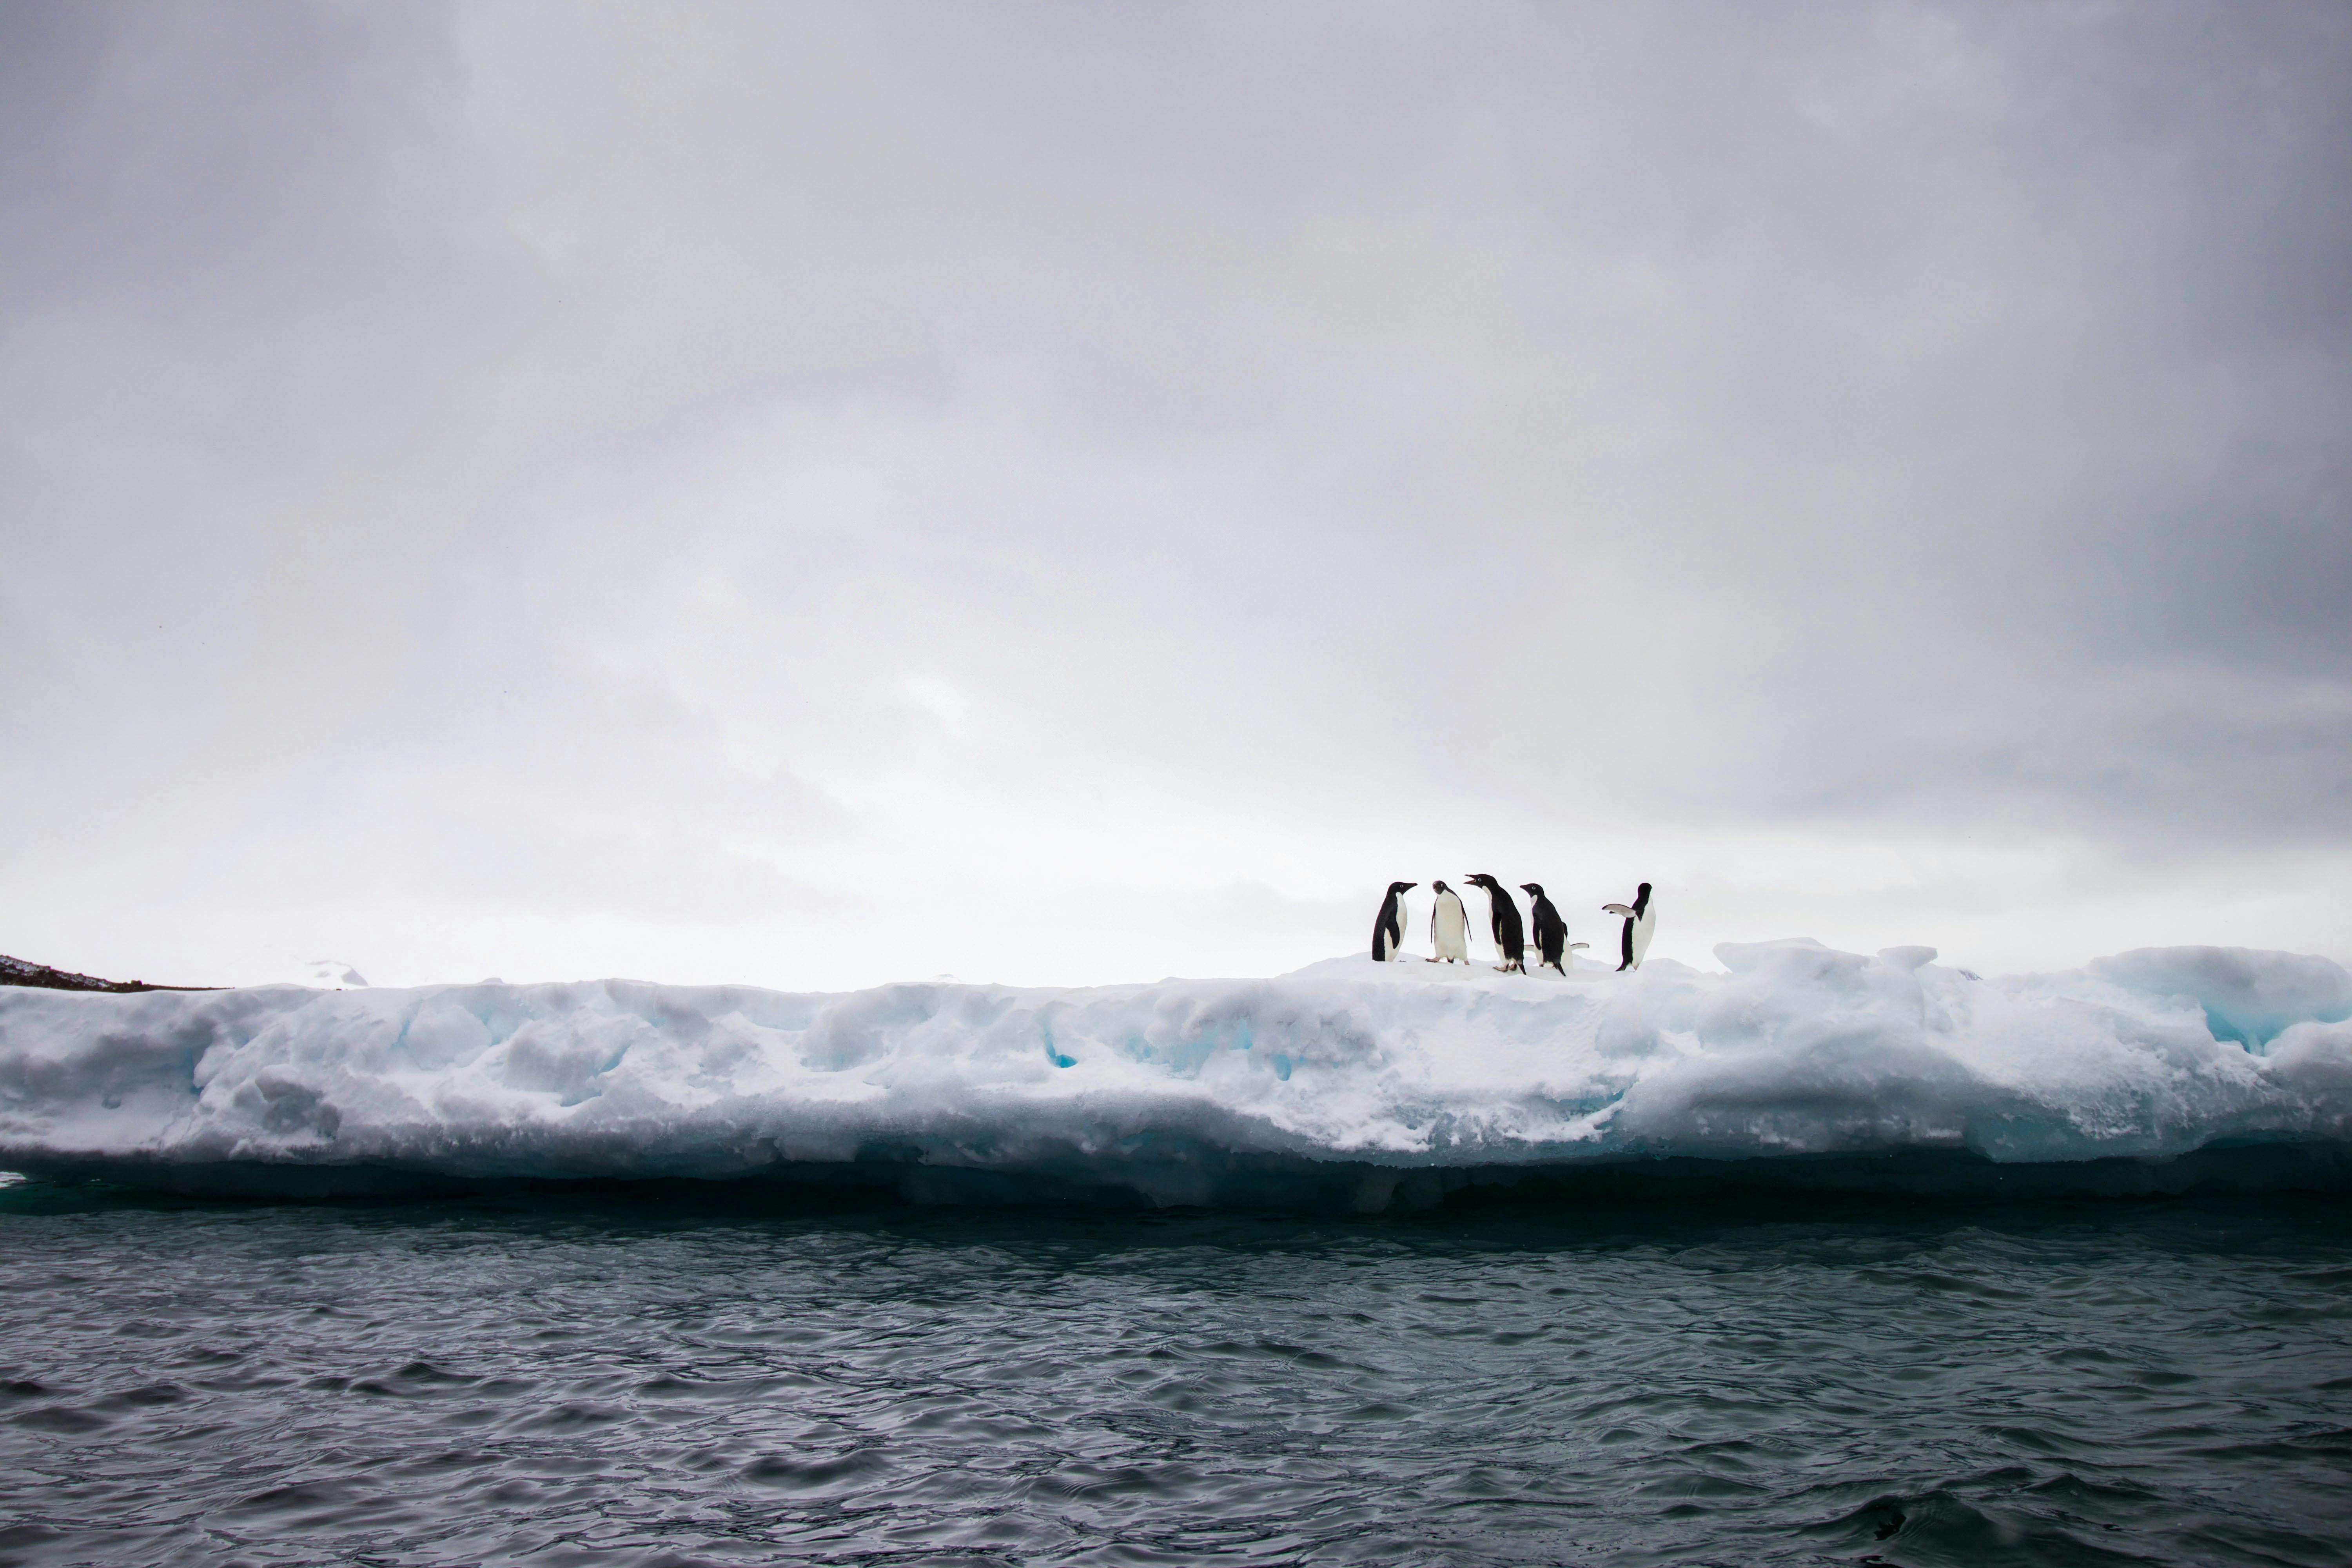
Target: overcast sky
[(814, 495)]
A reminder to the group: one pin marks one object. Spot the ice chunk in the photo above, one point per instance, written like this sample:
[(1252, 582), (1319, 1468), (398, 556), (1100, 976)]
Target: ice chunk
[(1201, 1091), (2248, 995)]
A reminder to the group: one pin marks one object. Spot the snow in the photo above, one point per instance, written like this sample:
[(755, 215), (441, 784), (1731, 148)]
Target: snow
[(1348, 1076)]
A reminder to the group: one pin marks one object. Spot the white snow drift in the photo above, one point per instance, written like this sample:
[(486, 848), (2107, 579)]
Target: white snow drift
[(1166, 1090)]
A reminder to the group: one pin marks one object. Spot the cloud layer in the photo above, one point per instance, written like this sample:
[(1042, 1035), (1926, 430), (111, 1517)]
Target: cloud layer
[(1054, 495)]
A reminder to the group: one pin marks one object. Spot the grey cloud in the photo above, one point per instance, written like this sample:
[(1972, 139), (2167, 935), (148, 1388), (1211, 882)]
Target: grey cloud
[(809, 428)]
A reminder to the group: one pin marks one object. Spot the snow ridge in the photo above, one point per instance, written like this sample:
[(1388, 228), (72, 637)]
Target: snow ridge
[(1192, 1090)]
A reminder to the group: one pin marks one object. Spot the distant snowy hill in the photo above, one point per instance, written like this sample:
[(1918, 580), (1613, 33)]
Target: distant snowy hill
[(1348, 1083)]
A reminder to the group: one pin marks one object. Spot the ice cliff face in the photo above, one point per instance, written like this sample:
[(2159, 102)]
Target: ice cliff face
[(1170, 1090)]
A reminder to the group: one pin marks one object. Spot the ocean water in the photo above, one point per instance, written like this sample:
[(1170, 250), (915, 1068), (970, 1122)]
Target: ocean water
[(615, 1377)]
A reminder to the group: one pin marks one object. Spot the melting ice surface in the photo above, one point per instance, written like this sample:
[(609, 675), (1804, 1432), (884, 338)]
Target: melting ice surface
[(1348, 1082)]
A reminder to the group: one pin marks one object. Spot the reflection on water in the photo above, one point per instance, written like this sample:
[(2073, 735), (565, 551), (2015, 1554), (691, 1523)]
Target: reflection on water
[(608, 1380)]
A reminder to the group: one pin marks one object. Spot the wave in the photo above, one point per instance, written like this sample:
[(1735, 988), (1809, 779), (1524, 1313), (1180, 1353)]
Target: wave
[(1348, 1084)]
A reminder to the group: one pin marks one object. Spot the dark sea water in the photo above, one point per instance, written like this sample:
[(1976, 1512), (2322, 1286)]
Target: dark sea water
[(612, 1378)]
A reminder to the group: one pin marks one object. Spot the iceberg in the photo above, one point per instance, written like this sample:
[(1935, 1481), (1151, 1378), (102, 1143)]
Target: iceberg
[(1350, 1084)]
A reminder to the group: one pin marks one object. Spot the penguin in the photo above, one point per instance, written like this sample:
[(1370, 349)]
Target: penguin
[(1641, 923), (1449, 927), (1387, 930), (1551, 932), (1503, 915)]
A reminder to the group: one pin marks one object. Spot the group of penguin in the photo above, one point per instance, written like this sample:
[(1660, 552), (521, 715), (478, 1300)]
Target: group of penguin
[(1449, 927)]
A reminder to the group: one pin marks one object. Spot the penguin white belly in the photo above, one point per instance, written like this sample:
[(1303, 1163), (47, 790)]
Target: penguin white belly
[(1643, 929), (1451, 931)]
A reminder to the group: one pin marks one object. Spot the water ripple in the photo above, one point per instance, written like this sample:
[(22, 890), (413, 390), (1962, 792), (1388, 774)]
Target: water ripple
[(622, 1383)]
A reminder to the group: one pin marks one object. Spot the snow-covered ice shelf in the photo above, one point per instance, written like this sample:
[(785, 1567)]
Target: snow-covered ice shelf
[(1349, 1083)]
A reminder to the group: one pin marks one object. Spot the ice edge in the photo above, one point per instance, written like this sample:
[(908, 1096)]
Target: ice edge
[(1348, 1084)]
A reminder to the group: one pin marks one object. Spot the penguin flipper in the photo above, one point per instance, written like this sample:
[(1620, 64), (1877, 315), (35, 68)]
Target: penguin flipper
[(1615, 909)]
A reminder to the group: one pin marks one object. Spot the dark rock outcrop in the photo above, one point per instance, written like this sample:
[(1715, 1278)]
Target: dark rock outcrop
[(18, 972)]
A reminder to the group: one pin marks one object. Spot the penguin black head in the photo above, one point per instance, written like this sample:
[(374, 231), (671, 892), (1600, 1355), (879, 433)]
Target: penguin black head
[(1533, 889), (1642, 891), (1484, 880), (1402, 886), (1439, 887)]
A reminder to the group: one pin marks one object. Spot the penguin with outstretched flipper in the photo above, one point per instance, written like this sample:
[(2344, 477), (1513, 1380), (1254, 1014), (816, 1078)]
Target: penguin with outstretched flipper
[(1387, 930), (1503, 916), (1551, 932), (1641, 921), (1449, 927)]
